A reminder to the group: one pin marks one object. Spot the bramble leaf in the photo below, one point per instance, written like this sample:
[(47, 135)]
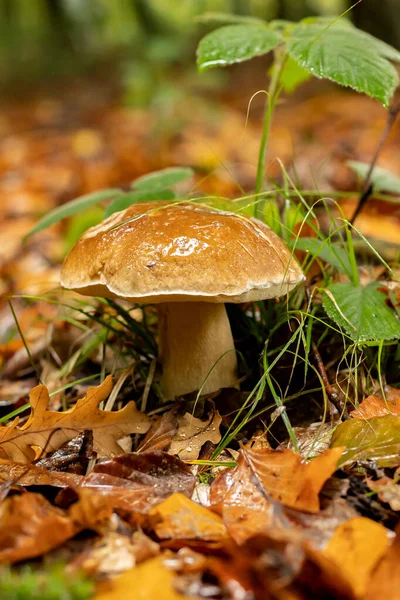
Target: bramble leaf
[(381, 179), (361, 311), (235, 43), (159, 180), (353, 59)]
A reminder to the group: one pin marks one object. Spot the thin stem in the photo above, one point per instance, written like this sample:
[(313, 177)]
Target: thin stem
[(273, 93), (393, 111)]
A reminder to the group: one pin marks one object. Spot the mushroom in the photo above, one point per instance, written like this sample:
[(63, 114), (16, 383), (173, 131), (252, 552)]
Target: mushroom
[(188, 259)]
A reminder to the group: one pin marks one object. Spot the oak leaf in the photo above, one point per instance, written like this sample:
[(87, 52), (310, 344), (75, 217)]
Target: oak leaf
[(47, 430), (193, 433)]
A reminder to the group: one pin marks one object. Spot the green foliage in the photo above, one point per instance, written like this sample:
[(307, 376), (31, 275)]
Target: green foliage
[(332, 253), (235, 43), (349, 58), (165, 178), (381, 179), (292, 75), (54, 584), (362, 312), (126, 200), (330, 50)]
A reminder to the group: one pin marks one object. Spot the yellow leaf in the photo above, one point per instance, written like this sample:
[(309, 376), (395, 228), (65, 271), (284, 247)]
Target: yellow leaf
[(149, 581), (49, 430), (356, 547), (181, 518)]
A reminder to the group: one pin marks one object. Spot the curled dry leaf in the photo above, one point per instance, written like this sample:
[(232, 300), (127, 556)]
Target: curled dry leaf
[(147, 581), (48, 430), (181, 518), (115, 553), (160, 433), (30, 526), (193, 433), (135, 483), (388, 490), (356, 547)]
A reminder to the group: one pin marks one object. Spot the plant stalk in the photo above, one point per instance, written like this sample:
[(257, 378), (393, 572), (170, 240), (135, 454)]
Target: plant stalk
[(273, 93)]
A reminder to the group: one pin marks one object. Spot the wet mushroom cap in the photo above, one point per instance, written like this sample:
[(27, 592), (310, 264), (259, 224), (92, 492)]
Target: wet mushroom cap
[(161, 252)]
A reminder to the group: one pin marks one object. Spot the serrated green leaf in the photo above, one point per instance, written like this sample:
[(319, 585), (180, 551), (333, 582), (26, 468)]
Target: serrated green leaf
[(331, 253), (130, 198), (381, 179), (361, 311), (72, 208), (354, 60), (375, 439), (159, 180), (292, 76), (235, 43), (220, 17)]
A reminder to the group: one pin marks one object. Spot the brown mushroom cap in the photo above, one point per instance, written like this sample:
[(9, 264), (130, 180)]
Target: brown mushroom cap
[(180, 252)]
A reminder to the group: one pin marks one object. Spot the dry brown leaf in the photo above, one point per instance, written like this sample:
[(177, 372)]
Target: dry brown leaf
[(193, 433), (48, 430), (287, 478), (30, 526), (160, 433), (388, 490), (376, 406), (135, 483), (356, 547), (149, 581), (115, 553), (24, 475), (181, 518)]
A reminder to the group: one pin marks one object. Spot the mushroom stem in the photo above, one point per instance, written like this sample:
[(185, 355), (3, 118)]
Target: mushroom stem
[(193, 337)]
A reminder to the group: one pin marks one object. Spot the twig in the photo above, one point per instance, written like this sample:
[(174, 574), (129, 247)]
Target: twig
[(331, 392), (393, 111)]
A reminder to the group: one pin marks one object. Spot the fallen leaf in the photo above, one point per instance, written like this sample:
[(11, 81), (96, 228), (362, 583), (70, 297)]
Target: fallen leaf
[(287, 478), (115, 553), (160, 433), (30, 526), (48, 430), (193, 433), (150, 580), (376, 406), (385, 581), (181, 518), (369, 439), (356, 547), (135, 483), (24, 475), (388, 490)]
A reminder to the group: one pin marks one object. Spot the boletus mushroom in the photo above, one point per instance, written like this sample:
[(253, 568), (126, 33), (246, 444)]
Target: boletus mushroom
[(187, 259)]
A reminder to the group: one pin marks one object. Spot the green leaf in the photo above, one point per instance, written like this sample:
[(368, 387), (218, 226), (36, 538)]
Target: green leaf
[(292, 76), (159, 180), (381, 179), (361, 311), (235, 43), (72, 208), (220, 17), (130, 198), (353, 59), (331, 253), (375, 439)]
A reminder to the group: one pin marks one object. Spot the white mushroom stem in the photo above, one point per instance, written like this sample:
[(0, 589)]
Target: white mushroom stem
[(196, 347)]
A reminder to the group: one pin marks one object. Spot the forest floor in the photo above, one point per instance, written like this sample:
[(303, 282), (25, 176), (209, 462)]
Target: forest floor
[(210, 497)]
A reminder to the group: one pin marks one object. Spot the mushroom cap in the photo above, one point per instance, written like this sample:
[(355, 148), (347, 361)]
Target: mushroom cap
[(180, 252)]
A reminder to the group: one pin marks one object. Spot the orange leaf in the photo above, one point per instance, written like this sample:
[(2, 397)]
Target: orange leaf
[(181, 518), (376, 406), (385, 581), (49, 430), (356, 547), (287, 478)]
